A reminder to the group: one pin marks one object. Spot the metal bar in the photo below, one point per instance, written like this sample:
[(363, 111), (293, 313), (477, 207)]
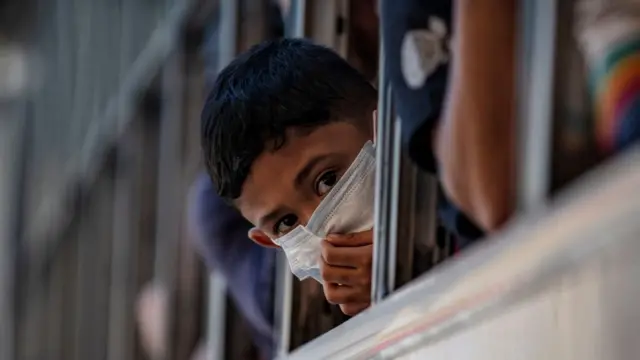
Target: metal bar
[(9, 156), (169, 187), (227, 32), (55, 214), (169, 163), (217, 317), (322, 23), (299, 13), (283, 305), (590, 219), (342, 38), (228, 28), (94, 261), (13, 83), (379, 282), (537, 57), (395, 198), (416, 223), (146, 131), (125, 246)]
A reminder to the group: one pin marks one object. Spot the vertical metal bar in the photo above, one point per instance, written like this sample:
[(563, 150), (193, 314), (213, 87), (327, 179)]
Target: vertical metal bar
[(342, 39), (125, 246), (417, 225), (299, 12), (283, 305), (216, 318), (537, 57), (396, 178), (322, 23), (9, 144), (227, 43), (169, 187), (412, 214), (94, 261), (227, 32), (379, 285), (13, 76)]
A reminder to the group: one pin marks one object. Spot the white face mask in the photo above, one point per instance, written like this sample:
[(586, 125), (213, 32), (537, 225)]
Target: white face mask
[(347, 208)]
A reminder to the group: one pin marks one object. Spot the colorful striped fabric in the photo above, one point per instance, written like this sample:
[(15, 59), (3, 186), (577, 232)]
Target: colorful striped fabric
[(615, 84)]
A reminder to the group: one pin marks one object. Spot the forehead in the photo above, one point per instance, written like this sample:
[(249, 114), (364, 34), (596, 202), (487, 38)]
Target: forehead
[(271, 181)]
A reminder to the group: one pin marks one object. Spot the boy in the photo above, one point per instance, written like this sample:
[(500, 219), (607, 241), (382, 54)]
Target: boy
[(280, 128), (282, 124)]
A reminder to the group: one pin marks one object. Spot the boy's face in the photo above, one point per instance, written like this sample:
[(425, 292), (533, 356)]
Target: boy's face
[(285, 186)]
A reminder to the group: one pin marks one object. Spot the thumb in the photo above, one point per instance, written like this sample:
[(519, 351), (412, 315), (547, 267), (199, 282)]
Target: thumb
[(353, 239)]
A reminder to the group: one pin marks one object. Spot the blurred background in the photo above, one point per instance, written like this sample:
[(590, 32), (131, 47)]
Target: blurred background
[(99, 129), (99, 148), (99, 122)]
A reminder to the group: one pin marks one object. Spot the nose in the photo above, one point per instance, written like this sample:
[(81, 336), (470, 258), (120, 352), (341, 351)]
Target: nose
[(307, 209)]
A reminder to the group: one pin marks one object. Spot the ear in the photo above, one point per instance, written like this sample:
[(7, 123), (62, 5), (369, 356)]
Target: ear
[(260, 238), (375, 125)]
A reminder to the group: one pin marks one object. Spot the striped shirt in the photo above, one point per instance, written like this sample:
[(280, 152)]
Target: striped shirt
[(609, 35)]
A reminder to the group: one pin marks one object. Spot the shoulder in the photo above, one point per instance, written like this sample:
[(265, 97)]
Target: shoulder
[(215, 227), (203, 203)]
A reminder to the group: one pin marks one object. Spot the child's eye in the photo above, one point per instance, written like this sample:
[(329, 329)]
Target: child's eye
[(285, 224), (326, 182)]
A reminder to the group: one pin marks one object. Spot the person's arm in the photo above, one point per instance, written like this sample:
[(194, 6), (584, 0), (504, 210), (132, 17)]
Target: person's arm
[(475, 142)]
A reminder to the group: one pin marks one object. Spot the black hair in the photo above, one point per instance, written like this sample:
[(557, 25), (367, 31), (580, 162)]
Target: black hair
[(276, 86)]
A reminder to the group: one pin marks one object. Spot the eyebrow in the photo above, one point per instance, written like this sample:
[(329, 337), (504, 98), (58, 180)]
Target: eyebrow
[(306, 170)]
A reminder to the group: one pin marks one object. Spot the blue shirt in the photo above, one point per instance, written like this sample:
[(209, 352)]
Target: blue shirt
[(220, 234), (416, 34)]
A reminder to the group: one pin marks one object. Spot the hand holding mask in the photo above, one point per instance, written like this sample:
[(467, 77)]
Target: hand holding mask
[(346, 209), (345, 267)]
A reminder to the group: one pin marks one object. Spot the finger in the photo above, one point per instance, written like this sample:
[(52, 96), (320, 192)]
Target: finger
[(354, 239), (344, 276), (344, 294), (353, 309), (352, 257)]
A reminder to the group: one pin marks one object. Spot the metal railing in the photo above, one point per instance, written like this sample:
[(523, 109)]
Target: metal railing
[(13, 131), (88, 233), (535, 114), (401, 218), (576, 256), (103, 101), (386, 161), (356, 339)]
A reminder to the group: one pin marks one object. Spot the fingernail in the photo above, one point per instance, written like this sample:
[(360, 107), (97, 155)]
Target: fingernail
[(331, 238)]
